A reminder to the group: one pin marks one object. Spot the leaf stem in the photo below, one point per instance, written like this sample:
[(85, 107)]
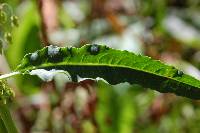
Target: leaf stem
[(4, 76)]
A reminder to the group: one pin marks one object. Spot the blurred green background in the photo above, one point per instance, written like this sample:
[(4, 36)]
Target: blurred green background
[(168, 30)]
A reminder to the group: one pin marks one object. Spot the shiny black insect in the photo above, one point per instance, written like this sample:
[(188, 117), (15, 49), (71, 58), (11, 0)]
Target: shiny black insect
[(94, 49)]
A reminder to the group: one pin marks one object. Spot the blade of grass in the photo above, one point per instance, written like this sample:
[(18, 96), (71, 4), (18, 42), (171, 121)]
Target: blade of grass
[(7, 119), (2, 127)]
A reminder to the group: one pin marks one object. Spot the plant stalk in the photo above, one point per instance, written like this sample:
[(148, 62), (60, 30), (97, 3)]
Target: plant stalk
[(4, 76)]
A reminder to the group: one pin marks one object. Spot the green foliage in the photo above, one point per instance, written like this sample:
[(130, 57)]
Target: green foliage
[(6, 123), (2, 127), (5, 92), (7, 21), (6, 119), (25, 40), (116, 109), (93, 61)]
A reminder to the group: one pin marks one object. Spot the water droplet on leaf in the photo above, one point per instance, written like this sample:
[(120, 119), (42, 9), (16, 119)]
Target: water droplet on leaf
[(94, 49), (34, 56), (53, 50), (179, 73)]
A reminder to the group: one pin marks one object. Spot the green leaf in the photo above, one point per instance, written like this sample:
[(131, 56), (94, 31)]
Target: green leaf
[(116, 109), (115, 66), (7, 120), (107, 110), (2, 127), (6, 123)]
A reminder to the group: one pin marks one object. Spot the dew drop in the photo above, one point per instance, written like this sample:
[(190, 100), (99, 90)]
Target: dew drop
[(34, 56), (53, 50), (179, 73), (94, 49)]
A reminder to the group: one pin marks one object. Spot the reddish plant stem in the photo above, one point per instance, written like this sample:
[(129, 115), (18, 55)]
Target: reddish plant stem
[(49, 21)]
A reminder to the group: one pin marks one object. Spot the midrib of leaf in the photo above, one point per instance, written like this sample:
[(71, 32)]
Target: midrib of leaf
[(47, 65)]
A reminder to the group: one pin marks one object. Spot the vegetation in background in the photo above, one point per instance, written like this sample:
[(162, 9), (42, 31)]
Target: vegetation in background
[(167, 30)]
